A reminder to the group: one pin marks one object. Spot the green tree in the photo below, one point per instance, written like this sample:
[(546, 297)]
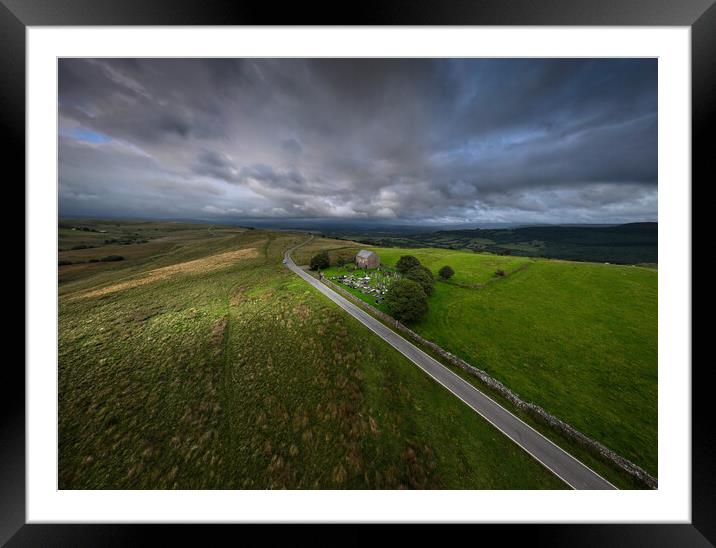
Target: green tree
[(320, 261), (406, 301), (423, 276), (406, 262), (446, 272)]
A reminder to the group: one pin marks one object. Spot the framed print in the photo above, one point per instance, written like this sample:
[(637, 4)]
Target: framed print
[(431, 264)]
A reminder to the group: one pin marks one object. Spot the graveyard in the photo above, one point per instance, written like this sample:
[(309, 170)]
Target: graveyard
[(370, 285)]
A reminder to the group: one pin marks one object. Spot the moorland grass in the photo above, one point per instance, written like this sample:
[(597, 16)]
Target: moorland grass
[(243, 376)]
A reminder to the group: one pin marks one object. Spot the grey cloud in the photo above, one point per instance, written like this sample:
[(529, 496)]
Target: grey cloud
[(215, 164), (559, 140), (286, 179), (292, 146)]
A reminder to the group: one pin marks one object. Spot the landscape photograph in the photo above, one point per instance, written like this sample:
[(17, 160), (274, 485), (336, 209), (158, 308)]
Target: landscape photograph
[(357, 273)]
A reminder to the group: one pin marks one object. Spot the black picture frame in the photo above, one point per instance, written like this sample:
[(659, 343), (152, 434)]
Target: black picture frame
[(16, 15)]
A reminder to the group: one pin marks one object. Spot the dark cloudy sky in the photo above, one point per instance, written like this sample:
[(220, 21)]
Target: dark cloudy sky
[(399, 140)]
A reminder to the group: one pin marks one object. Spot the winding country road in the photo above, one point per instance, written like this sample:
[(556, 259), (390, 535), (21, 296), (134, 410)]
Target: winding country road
[(562, 464)]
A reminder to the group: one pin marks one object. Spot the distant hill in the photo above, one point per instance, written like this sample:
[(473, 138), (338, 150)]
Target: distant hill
[(633, 243)]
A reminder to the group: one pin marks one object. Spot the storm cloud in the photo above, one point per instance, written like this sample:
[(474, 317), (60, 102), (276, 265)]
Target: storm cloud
[(399, 140)]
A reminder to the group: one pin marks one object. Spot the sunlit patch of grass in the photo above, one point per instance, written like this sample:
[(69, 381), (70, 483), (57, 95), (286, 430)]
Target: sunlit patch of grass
[(579, 339)]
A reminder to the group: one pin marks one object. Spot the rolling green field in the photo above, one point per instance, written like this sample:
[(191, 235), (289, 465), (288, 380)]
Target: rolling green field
[(201, 362), (470, 269), (579, 339)]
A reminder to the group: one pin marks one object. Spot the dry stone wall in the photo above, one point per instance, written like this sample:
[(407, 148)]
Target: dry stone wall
[(535, 410)]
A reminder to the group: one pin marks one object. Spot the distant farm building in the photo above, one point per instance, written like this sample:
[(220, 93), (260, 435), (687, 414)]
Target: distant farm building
[(367, 259)]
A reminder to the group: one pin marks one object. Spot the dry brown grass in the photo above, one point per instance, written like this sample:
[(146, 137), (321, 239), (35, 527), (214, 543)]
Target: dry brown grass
[(217, 332), (205, 264)]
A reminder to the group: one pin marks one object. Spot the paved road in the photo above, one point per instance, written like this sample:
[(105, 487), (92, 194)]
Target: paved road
[(565, 466)]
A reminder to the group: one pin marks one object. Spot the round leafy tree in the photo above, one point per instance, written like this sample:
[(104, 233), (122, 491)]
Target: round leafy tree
[(446, 272), (423, 276), (406, 301), (406, 262), (320, 261)]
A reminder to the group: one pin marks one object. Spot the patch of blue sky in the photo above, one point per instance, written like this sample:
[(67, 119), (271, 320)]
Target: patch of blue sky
[(84, 134)]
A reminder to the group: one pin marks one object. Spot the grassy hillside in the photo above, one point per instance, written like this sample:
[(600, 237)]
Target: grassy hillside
[(82, 243), (207, 364), (579, 339)]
